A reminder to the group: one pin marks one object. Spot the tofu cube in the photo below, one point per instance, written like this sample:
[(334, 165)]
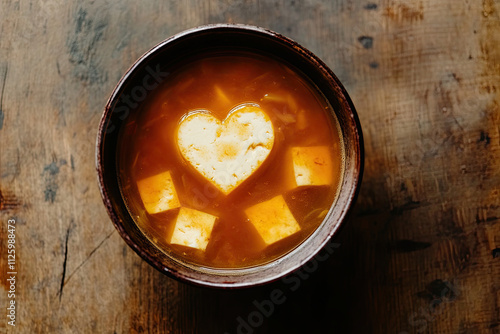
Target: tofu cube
[(312, 165), (193, 228), (272, 219), (158, 193)]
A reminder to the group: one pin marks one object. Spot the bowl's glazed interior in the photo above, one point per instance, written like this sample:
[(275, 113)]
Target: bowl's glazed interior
[(149, 71)]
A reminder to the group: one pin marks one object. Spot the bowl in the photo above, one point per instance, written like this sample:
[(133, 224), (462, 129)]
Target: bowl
[(150, 70)]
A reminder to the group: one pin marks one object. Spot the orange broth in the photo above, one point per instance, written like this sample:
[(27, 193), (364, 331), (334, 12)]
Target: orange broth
[(300, 116)]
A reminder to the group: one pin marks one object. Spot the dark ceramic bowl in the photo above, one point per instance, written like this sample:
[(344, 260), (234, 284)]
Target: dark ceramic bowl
[(153, 65)]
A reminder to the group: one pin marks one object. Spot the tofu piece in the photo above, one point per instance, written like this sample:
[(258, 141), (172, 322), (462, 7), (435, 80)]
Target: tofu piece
[(226, 152), (312, 165), (193, 228), (273, 219), (158, 193)]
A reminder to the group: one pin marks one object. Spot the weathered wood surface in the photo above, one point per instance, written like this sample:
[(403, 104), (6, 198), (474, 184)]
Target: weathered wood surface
[(419, 254)]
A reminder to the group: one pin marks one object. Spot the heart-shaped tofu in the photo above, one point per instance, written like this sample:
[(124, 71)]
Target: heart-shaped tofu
[(226, 152)]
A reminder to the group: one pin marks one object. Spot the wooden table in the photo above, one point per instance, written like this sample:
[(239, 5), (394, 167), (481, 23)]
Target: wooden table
[(421, 252)]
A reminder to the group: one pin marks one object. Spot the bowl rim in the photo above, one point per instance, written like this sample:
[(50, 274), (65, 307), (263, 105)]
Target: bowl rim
[(355, 185)]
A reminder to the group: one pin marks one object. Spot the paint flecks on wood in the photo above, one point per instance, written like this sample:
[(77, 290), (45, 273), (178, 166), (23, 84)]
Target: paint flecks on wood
[(484, 138), (50, 174), (366, 41), (82, 46), (371, 6)]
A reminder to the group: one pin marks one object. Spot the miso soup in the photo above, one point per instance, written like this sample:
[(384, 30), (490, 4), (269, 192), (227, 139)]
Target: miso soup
[(233, 161)]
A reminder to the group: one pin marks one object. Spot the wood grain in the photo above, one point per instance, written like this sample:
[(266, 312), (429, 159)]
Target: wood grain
[(420, 254)]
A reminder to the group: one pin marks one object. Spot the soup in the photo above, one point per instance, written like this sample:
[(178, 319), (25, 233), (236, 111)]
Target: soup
[(231, 162)]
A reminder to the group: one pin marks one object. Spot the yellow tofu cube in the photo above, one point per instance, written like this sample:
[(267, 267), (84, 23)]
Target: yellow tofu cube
[(312, 165), (193, 228), (273, 219), (158, 193)]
